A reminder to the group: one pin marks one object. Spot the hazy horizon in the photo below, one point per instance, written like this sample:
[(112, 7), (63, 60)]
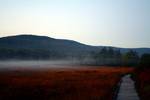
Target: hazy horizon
[(118, 23)]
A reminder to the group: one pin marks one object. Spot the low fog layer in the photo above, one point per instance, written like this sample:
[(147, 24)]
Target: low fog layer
[(36, 64)]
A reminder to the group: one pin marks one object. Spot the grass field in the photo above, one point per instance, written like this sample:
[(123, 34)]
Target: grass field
[(61, 84)]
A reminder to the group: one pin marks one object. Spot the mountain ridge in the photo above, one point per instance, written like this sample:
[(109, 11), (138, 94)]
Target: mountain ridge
[(47, 37), (47, 45)]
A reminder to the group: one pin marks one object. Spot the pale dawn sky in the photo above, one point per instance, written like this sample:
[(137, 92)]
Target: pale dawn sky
[(121, 23)]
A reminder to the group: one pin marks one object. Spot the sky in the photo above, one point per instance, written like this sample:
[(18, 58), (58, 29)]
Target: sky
[(120, 23)]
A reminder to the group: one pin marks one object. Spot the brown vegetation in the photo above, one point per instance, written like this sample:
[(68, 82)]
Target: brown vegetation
[(143, 83), (65, 84)]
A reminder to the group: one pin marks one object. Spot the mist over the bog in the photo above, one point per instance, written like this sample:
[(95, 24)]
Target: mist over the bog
[(40, 64)]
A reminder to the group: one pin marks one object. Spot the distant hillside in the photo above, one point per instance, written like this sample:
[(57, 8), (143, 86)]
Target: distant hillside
[(41, 42), (42, 47)]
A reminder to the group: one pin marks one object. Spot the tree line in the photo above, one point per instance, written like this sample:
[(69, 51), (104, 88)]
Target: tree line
[(114, 57), (105, 56), (110, 56)]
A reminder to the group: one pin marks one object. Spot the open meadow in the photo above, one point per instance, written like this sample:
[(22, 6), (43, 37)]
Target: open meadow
[(81, 83)]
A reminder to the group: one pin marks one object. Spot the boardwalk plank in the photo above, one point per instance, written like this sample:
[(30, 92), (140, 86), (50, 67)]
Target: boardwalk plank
[(127, 89)]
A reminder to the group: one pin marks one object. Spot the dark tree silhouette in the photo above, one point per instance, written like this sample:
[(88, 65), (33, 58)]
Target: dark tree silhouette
[(145, 61), (110, 52), (131, 58), (108, 56)]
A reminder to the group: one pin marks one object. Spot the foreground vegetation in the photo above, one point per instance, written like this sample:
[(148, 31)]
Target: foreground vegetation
[(62, 84), (142, 77), (143, 84)]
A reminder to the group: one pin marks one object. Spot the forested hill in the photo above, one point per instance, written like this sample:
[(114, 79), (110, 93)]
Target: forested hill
[(42, 47)]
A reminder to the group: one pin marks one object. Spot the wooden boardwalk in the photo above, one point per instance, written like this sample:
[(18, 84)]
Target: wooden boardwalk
[(127, 89)]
